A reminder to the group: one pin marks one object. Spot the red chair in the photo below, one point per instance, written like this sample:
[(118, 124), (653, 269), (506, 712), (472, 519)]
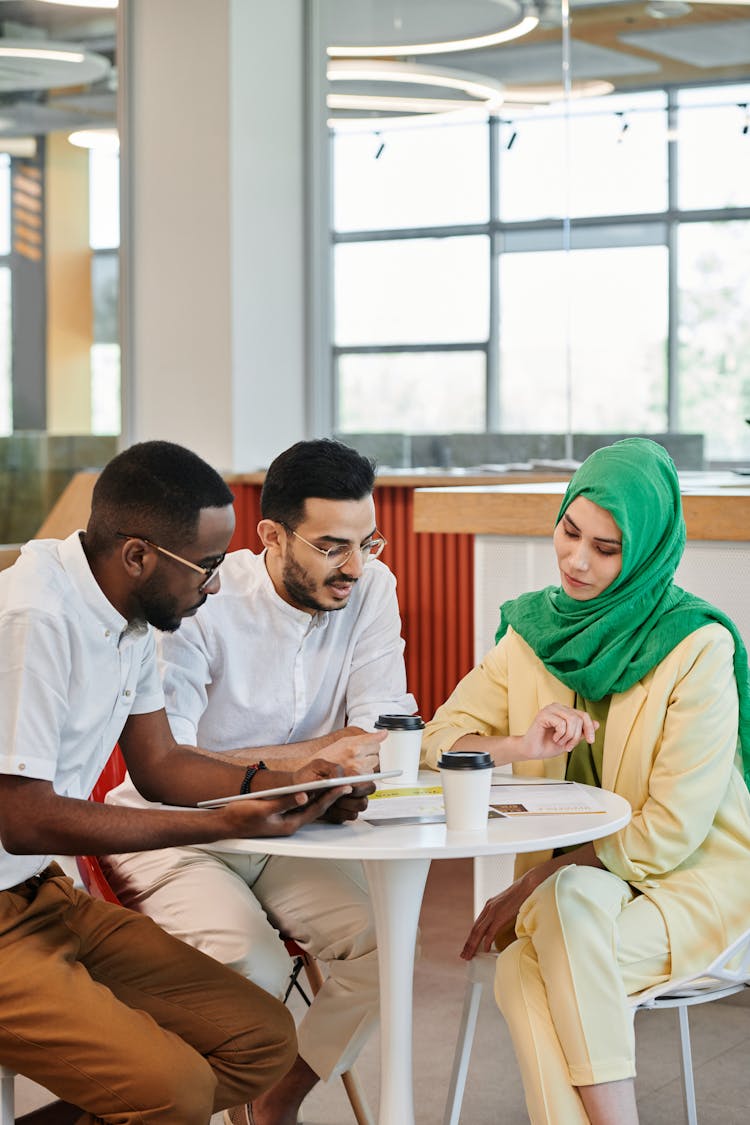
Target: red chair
[(97, 885)]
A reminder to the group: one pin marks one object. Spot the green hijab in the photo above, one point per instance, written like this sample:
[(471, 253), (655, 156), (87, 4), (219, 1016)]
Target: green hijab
[(607, 644)]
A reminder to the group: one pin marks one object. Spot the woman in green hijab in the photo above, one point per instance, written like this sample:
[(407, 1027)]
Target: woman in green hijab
[(618, 678)]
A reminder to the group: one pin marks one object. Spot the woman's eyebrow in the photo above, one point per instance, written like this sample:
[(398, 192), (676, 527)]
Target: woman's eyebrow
[(597, 538)]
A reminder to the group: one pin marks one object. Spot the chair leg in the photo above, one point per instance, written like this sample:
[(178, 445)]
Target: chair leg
[(297, 967), (313, 974), (357, 1100), (686, 1062), (7, 1096), (352, 1085), (464, 1041)]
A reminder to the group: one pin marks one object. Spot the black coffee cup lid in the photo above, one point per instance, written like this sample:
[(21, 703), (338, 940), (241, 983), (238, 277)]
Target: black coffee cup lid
[(399, 722), (465, 760)]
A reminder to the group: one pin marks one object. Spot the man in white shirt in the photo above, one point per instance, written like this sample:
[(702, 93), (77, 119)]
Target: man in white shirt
[(111, 1014), (271, 669)]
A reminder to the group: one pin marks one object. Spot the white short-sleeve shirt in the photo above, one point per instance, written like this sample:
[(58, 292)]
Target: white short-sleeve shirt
[(251, 670), (71, 671)]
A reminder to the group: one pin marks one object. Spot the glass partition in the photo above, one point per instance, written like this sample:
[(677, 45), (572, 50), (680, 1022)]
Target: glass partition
[(59, 239), (564, 243)]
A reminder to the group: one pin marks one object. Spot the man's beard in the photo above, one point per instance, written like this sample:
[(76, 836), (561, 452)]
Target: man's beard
[(302, 588), (160, 608)]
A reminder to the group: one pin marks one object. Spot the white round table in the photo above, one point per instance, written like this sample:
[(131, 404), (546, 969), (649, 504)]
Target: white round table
[(396, 860)]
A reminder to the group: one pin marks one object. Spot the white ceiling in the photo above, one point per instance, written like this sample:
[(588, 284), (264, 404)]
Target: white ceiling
[(726, 44), (617, 40)]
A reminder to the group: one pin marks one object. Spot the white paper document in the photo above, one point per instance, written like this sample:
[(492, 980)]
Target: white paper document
[(417, 805), (424, 804), (542, 797)]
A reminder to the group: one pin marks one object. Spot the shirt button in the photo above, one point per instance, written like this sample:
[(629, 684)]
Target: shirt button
[(22, 765), (107, 633), (127, 692)]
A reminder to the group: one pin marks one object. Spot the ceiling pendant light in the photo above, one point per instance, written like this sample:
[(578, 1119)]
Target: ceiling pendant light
[(525, 23), (83, 3), (481, 93)]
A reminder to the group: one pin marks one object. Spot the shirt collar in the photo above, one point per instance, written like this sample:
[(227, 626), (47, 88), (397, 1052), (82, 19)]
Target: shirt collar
[(302, 618), (73, 559)]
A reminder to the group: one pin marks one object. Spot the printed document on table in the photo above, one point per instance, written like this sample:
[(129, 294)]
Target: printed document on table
[(535, 799), (421, 804)]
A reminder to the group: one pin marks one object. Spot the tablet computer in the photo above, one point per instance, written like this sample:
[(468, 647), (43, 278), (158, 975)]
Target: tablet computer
[(299, 787)]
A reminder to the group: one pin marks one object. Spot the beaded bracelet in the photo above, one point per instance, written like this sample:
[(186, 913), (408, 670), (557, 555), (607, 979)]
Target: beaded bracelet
[(250, 774)]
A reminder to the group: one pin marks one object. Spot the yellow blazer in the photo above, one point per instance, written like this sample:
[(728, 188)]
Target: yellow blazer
[(670, 748)]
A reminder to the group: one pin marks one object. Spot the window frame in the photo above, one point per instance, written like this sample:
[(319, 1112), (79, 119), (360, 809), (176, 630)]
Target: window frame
[(596, 232)]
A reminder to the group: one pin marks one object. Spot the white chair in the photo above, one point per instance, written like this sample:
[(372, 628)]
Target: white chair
[(727, 974), (7, 1106)]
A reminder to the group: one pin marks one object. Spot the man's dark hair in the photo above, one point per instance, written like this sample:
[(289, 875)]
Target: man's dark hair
[(322, 468), (156, 490)]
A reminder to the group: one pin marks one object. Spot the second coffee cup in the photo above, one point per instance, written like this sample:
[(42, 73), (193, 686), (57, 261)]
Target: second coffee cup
[(401, 749), (466, 777)]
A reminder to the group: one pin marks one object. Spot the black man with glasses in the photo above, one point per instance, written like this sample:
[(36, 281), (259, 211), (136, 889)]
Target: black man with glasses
[(296, 656)]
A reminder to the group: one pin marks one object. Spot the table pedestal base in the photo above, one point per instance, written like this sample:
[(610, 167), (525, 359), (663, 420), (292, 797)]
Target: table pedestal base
[(396, 888)]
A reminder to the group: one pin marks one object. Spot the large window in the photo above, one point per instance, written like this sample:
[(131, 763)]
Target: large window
[(615, 379), (714, 334), (529, 274)]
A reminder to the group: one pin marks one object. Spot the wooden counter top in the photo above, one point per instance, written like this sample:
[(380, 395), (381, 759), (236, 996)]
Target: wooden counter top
[(716, 507), (425, 478)]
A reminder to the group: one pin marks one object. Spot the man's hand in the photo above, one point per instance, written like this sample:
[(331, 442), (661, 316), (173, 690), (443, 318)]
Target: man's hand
[(347, 806), (557, 729), (357, 753), (279, 816)]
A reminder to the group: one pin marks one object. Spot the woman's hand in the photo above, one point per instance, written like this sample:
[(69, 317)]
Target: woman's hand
[(557, 729), (498, 918), (499, 914)]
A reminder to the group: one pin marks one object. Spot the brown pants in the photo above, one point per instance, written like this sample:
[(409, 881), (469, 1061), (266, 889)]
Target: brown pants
[(113, 1015)]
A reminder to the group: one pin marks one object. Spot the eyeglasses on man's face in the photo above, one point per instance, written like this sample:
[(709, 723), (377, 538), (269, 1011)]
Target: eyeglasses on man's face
[(207, 571), (340, 554)]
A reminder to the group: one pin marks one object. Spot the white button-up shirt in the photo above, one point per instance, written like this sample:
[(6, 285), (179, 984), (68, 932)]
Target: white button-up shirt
[(251, 670), (71, 671)]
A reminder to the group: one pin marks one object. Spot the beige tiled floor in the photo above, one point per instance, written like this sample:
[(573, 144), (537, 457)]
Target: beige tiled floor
[(721, 1041)]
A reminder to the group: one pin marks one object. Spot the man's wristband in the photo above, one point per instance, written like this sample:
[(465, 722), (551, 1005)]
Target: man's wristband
[(250, 774)]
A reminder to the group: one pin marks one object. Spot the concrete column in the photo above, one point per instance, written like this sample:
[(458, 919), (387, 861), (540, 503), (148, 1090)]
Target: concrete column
[(212, 123)]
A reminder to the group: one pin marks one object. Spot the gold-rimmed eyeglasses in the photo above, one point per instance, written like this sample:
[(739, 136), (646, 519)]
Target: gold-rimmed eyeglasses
[(340, 554), (207, 571)]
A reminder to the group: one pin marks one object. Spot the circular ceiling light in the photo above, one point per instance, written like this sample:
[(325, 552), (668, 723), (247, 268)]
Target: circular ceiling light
[(481, 93), (554, 92), (83, 3), (10, 50), (104, 140), (31, 64), (522, 26)]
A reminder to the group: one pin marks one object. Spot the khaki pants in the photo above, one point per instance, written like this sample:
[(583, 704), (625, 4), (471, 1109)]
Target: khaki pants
[(585, 944), (115, 1016), (233, 907)]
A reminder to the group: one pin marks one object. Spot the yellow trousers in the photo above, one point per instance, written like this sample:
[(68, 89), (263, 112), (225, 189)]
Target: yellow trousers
[(586, 942)]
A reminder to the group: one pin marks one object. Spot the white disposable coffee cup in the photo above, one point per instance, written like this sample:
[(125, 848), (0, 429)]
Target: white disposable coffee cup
[(401, 748), (466, 777)]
